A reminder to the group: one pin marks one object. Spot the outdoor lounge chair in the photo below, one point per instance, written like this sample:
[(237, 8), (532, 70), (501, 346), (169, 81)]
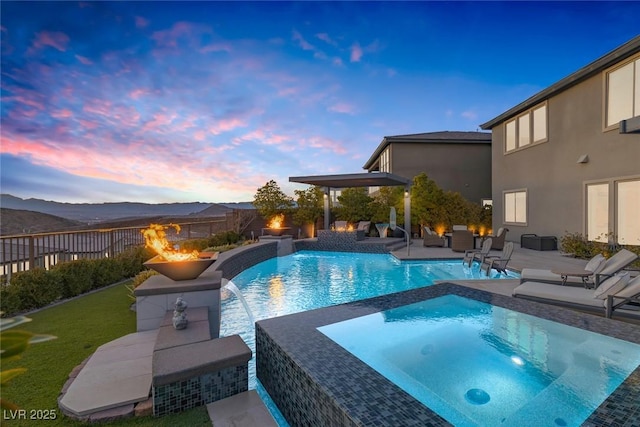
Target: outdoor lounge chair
[(600, 266), (364, 226), (498, 239), (471, 254), (431, 238), (498, 263), (613, 294), (462, 240)]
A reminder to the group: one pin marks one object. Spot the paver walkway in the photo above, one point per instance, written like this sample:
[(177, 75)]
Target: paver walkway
[(117, 374)]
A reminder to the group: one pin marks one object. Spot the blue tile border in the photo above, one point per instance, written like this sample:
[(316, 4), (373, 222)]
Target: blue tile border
[(314, 381)]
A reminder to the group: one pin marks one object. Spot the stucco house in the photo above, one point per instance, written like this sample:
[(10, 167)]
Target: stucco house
[(456, 161), (568, 158)]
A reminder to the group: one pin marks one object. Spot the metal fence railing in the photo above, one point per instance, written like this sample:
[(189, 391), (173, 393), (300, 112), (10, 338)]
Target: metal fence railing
[(25, 251)]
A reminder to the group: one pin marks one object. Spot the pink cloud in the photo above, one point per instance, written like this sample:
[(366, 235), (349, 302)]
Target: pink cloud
[(325, 38), (216, 47), (356, 52), (226, 125), (54, 39), (62, 114), (305, 45), (84, 60), (98, 106), (137, 93), (326, 144), (342, 107), (141, 22)]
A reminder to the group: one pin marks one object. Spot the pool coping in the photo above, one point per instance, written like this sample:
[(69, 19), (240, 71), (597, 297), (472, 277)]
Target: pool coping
[(314, 380)]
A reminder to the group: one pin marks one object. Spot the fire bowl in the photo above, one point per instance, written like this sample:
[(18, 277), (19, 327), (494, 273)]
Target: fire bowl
[(276, 231), (180, 270)]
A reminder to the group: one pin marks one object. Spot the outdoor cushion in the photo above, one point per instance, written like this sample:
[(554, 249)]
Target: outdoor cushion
[(561, 294), (596, 264), (618, 261), (611, 286), (631, 290)]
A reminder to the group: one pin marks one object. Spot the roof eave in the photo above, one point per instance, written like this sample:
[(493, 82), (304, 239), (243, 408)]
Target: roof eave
[(619, 54)]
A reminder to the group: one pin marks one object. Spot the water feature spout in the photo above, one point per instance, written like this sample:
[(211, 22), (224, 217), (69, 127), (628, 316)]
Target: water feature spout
[(230, 286)]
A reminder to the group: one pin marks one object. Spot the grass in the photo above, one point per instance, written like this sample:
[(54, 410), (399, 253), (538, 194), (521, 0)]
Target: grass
[(81, 325)]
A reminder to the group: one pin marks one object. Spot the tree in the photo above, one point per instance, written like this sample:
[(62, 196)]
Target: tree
[(354, 205), (269, 200), (383, 200), (427, 200), (310, 206)]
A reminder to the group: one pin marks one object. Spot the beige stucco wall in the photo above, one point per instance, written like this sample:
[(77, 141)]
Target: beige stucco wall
[(465, 168), (550, 172)]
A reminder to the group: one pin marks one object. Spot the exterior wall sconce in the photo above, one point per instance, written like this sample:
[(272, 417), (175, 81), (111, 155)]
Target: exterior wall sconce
[(583, 159)]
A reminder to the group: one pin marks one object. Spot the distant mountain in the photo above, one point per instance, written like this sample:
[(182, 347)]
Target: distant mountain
[(20, 222), (99, 212)]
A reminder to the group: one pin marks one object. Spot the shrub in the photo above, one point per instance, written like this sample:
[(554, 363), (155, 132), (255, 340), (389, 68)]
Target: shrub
[(225, 238), (105, 272), (76, 276), (29, 290), (138, 280)]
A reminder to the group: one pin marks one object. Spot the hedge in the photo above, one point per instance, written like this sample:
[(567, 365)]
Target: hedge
[(36, 288)]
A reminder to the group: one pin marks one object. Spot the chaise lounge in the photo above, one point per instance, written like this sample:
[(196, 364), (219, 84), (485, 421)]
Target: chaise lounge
[(600, 267), (617, 293)]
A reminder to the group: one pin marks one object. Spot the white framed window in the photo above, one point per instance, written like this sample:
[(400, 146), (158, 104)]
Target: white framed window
[(622, 88), (627, 207), (385, 162), (526, 129), (515, 207), (598, 212), (612, 210)]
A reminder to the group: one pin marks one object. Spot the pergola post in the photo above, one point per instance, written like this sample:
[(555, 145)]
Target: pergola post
[(407, 210), (327, 210)]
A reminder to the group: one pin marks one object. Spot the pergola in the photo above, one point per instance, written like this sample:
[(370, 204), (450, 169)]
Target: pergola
[(373, 179)]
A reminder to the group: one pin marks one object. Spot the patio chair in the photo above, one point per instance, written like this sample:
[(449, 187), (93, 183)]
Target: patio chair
[(462, 240), (431, 238), (612, 295), (498, 239), (471, 254), (498, 263), (364, 226), (599, 265)]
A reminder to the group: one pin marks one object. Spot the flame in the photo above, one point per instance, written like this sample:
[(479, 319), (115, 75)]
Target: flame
[(155, 238), (350, 227), (276, 222)]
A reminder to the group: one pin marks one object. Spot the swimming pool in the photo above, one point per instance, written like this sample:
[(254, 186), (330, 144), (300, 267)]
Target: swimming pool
[(478, 364), (308, 280), (312, 279)]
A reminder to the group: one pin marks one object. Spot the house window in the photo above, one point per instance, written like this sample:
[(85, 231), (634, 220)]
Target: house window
[(598, 212), (385, 165), (627, 208), (621, 196), (515, 207), (528, 128), (623, 93)]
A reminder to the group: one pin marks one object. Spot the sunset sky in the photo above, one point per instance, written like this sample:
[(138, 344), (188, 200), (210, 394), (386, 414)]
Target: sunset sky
[(207, 101)]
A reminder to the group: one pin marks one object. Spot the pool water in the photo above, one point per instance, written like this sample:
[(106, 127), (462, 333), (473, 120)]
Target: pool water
[(478, 364), (312, 279)]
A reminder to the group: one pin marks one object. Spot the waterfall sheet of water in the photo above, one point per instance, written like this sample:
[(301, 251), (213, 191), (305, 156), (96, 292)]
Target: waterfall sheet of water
[(230, 286)]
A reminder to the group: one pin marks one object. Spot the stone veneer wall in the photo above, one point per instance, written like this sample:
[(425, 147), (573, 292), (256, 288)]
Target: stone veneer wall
[(340, 242), (233, 262), (183, 395)]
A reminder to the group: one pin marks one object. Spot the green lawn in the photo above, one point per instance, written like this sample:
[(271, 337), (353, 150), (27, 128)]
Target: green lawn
[(81, 325)]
